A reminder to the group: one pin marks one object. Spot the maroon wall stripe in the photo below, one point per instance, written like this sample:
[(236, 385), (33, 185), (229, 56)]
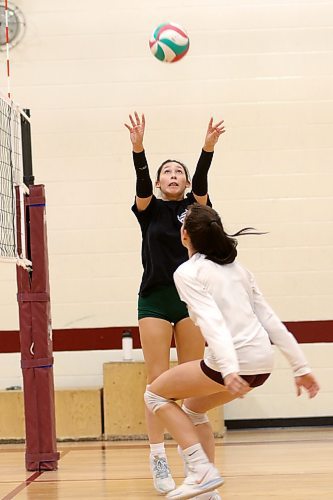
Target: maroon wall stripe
[(87, 339), (310, 332)]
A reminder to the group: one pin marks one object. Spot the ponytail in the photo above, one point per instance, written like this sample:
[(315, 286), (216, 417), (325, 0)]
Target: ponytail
[(208, 236)]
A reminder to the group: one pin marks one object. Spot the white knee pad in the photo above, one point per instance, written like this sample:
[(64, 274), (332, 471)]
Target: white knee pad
[(154, 401), (196, 418)]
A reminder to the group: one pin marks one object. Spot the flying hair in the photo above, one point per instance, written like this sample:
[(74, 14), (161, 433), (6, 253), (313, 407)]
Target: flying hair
[(208, 236)]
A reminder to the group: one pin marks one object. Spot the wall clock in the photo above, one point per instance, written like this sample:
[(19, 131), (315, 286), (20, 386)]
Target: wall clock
[(16, 25)]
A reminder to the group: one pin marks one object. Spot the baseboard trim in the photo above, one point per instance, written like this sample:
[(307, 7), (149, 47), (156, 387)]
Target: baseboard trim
[(256, 423)]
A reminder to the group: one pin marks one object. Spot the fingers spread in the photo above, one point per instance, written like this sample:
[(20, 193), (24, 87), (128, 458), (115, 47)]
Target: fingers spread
[(132, 121), (210, 124), (218, 124)]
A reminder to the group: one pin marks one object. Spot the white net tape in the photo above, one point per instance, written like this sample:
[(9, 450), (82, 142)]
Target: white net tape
[(11, 177)]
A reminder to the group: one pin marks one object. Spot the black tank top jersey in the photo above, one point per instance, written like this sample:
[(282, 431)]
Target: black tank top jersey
[(162, 251)]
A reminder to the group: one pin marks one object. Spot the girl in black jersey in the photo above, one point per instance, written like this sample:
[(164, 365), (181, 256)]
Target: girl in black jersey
[(160, 311)]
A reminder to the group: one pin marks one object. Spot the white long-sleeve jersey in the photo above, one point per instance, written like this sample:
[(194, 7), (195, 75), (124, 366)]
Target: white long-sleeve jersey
[(235, 320)]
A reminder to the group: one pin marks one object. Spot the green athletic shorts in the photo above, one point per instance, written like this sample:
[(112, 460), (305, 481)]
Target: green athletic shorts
[(162, 302)]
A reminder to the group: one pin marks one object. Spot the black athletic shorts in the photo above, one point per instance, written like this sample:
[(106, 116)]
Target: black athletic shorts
[(252, 380)]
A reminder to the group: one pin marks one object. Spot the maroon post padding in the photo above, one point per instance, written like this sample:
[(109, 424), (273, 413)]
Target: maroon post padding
[(36, 342)]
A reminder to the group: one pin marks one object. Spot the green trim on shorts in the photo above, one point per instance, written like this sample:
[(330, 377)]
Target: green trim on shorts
[(162, 302)]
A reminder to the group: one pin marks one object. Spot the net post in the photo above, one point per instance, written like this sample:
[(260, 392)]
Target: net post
[(35, 324)]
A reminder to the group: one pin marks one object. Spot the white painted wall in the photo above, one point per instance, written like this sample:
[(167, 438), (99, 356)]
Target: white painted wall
[(266, 67)]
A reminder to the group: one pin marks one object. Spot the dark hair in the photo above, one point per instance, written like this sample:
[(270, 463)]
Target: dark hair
[(188, 178), (208, 236)]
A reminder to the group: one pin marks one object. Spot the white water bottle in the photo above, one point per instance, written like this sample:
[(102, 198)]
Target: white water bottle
[(127, 345)]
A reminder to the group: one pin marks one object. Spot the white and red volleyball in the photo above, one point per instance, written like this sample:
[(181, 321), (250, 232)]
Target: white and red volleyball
[(169, 42)]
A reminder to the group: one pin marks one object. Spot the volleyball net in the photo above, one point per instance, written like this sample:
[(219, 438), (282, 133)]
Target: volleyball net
[(12, 187)]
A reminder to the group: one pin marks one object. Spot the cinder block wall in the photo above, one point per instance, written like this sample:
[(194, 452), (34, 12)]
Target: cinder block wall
[(266, 68)]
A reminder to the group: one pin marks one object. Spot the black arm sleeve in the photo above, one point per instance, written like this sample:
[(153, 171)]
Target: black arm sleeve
[(200, 181), (144, 186)]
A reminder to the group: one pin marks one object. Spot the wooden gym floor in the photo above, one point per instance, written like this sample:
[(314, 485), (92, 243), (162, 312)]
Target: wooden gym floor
[(290, 464)]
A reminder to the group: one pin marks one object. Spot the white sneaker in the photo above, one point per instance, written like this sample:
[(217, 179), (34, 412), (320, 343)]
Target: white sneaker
[(212, 495), (162, 478), (201, 479)]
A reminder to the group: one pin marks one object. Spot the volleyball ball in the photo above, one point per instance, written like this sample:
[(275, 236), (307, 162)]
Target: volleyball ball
[(169, 42)]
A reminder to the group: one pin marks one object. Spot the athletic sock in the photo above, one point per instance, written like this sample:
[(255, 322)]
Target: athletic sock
[(195, 455), (157, 449)]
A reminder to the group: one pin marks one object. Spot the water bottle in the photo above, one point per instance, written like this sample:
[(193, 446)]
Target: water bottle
[(127, 345)]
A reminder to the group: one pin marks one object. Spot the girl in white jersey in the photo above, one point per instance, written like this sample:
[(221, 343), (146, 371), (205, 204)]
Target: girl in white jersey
[(239, 328), (161, 313)]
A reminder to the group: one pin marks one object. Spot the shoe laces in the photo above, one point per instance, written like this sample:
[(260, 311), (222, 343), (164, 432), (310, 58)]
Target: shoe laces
[(160, 467)]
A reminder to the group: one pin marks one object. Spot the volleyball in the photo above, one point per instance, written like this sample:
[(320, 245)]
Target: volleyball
[(169, 42)]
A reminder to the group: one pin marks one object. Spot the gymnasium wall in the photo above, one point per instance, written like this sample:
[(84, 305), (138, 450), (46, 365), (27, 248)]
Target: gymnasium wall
[(266, 68)]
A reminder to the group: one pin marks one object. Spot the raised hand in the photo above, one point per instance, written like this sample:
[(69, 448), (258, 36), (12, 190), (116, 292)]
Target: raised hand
[(309, 383), (213, 134), (137, 130)]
